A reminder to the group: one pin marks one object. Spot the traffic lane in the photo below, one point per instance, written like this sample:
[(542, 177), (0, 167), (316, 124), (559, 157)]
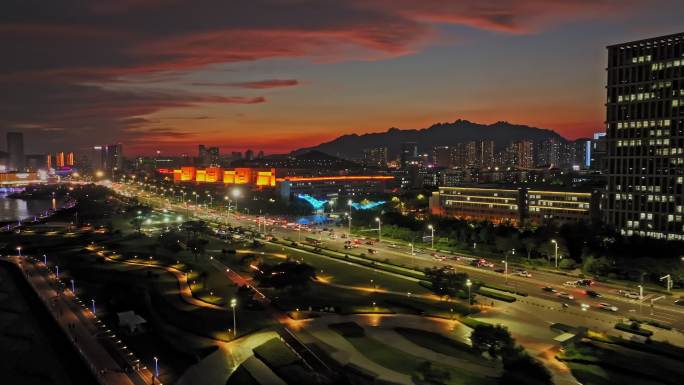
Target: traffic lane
[(552, 279)]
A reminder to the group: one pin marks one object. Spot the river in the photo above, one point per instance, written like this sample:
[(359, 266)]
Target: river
[(12, 210)]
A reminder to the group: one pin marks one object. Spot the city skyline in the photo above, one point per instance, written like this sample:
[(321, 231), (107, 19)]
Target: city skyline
[(295, 75)]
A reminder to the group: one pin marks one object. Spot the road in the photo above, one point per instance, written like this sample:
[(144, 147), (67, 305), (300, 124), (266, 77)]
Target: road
[(664, 311)]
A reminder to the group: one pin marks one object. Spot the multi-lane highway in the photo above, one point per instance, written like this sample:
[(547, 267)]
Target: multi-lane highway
[(664, 310)]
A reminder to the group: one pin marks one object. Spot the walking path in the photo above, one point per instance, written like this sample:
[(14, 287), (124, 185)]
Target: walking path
[(82, 327), (183, 287)]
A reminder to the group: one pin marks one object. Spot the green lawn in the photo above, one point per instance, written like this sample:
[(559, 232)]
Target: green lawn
[(442, 344), (598, 361), (399, 361)]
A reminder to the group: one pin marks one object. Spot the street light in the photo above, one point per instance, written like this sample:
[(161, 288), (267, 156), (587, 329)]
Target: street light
[(470, 298), (57, 271), (156, 368), (377, 219), (641, 297), (349, 216), (19, 250), (233, 305), (432, 236), (236, 194), (93, 302), (73, 289), (555, 243)]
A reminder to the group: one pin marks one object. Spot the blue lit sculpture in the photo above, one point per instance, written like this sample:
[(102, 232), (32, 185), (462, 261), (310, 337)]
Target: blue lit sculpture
[(315, 203), (367, 205)]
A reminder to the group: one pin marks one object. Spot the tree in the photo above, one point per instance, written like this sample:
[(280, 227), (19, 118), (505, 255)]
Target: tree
[(520, 368), (197, 246), (598, 266), (286, 274), (492, 339), (506, 243), (250, 259), (567, 264), (170, 241), (446, 282), (137, 222), (549, 250), (530, 244)]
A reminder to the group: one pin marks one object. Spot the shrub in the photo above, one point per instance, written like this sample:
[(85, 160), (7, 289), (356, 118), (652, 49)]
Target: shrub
[(567, 264)]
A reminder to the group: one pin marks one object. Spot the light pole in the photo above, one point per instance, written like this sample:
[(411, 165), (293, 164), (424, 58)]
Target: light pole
[(93, 302), (432, 236), (19, 250), (349, 216), (73, 289), (57, 271), (377, 219), (555, 243), (668, 281), (236, 195), (156, 368), (641, 297), (470, 298), (233, 305), (45, 259)]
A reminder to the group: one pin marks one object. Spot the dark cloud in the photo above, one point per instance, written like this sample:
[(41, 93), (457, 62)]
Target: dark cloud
[(62, 58), (255, 85)]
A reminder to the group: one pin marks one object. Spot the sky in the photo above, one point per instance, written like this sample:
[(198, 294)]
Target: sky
[(277, 75)]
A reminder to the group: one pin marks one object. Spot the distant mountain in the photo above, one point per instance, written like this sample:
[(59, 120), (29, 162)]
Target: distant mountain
[(440, 134)]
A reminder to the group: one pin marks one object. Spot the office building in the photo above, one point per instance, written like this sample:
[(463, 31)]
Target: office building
[(441, 156), (113, 159), (36, 162), (597, 152), (97, 158), (208, 156), (520, 154), (375, 157), (59, 158), (516, 206), (409, 152), (645, 137), (15, 148)]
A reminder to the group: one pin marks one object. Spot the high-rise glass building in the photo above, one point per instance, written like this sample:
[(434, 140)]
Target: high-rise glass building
[(15, 148), (645, 137)]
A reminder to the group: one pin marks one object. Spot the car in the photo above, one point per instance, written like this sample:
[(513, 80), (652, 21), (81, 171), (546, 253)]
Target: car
[(499, 270), (592, 294), (372, 251), (585, 282), (393, 246), (549, 289), (570, 284), (565, 295), (347, 247), (607, 306), (632, 295), (584, 306), (369, 242), (523, 273)]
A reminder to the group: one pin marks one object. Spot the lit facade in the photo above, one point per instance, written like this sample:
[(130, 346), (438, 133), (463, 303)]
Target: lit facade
[(515, 206), (481, 204), (321, 186), (240, 176), (645, 138)]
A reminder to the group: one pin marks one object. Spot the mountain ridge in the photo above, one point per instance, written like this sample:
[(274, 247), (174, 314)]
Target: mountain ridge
[(350, 146)]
